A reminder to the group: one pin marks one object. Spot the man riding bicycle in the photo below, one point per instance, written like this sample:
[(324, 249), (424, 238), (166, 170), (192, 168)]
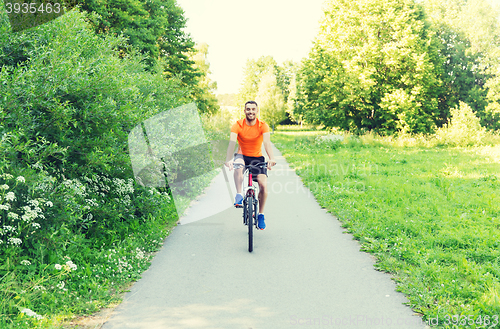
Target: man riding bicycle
[(250, 133)]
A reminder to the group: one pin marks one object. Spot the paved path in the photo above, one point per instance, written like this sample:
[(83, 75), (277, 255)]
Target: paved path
[(304, 272)]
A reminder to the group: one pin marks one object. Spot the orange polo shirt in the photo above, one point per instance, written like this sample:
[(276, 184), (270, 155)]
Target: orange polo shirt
[(250, 137)]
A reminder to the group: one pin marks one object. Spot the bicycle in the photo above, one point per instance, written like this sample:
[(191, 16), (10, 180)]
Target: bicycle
[(251, 201)]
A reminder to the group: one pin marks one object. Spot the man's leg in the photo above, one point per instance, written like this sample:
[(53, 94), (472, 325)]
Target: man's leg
[(262, 180), (238, 175)]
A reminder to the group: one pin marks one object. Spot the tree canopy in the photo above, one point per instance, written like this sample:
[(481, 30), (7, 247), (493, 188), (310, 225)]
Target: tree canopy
[(271, 99), (154, 27), (375, 66)]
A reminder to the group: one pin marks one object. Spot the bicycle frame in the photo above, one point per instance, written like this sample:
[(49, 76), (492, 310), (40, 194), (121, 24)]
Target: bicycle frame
[(251, 192), (250, 189)]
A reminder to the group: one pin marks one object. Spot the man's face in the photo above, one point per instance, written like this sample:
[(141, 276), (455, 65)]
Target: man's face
[(251, 111)]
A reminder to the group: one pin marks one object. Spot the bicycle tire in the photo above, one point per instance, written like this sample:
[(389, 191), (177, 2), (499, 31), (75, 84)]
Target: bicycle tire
[(250, 219)]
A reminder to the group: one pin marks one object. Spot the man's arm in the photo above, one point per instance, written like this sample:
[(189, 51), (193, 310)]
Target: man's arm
[(269, 150), (230, 150)]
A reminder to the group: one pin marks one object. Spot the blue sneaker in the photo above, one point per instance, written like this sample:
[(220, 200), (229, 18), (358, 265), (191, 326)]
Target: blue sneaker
[(260, 222), (238, 201)]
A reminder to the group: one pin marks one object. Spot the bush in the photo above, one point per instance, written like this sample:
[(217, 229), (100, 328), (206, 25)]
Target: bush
[(464, 128), (67, 194)]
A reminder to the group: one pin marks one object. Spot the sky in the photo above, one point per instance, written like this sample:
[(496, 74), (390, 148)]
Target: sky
[(237, 30)]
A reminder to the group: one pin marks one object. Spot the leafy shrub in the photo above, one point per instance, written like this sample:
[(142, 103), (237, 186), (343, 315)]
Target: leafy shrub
[(464, 128), (69, 100)]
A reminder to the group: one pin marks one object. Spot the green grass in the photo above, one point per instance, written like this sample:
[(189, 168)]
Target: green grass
[(430, 215)]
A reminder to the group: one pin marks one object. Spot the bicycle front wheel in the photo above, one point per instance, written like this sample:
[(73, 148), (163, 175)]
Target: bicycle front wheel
[(250, 222)]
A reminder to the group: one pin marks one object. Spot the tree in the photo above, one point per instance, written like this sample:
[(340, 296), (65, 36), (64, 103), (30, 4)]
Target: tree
[(469, 35), (204, 91), (155, 27), (291, 102), (374, 65), (253, 72), (270, 99)]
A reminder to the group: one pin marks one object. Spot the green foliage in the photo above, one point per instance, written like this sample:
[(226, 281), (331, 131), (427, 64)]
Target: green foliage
[(271, 102), (154, 27), (429, 215), (373, 66), (204, 92), (491, 116), (69, 99), (253, 72), (468, 32), (464, 128), (76, 95), (272, 84)]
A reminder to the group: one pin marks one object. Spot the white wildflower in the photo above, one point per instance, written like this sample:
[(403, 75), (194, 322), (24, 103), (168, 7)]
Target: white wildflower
[(36, 225), (140, 254), (9, 228), (4, 187), (92, 202), (71, 265), (33, 203), (37, 166), (25, 262), (7, 176), (330, 138), (12, 215), (58, 266), (126, 200), (60, 285), (29, 216), (10, 196), (4, 207), (15, 241), (39, 288), (49, 204), (20, 179), (32, 314)]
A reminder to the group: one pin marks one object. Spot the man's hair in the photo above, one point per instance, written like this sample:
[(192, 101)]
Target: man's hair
[(251, 102)]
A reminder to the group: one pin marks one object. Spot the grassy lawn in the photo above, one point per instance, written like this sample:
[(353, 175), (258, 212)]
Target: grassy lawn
[(430, 215)]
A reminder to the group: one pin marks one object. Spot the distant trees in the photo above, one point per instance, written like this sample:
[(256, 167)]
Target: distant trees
[(469, 34), (253, 72), (270, 99), (269, 84), (204, 91), (375, 66), (400, 65)]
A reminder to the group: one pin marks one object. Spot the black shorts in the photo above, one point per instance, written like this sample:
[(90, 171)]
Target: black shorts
[(253, 161)]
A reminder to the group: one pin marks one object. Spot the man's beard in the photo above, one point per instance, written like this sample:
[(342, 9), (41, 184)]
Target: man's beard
[(254, 117)]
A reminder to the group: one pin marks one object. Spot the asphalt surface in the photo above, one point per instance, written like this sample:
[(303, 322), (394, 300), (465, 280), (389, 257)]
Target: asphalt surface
[(305, 271)]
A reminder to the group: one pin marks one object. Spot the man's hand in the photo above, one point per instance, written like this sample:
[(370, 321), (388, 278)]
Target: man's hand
[(229, 164), (270, 163)]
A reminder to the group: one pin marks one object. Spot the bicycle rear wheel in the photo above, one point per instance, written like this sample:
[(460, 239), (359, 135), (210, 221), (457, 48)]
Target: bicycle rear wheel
[(250, 221)]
